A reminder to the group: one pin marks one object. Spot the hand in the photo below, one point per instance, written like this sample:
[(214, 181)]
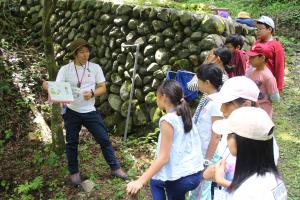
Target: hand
[(192, 85), (209, 173), (211, 58), (133, 187), (87, 95), (45, 84), (220, 170)]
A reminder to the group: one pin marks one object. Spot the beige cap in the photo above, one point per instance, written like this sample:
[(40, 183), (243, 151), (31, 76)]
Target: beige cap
[(244, 15), (248, 122)]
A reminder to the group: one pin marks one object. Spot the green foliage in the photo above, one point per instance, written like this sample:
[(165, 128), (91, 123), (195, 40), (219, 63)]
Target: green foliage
[(22, 104), (59, 196), (7, 135), (4, 184), (52, 159), (27, 187), (200, 7)]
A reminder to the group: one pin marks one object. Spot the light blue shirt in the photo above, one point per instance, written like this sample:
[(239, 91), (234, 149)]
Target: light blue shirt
[(185, 154)]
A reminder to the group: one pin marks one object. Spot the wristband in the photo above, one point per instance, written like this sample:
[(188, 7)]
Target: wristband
[(93, 94)]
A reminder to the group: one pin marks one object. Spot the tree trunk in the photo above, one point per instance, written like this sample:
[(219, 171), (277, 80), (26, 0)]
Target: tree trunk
[(58, 141)]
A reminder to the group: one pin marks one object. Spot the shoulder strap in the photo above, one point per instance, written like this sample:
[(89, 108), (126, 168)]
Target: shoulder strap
[(203, 102)]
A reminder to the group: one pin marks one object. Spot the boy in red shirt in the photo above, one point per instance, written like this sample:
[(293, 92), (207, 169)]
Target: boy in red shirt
[(265, 29), (238, 60), (263, 77)]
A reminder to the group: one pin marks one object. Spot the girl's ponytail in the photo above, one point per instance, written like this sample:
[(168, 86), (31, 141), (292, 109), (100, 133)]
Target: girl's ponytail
[(185, 112), (173, 90)]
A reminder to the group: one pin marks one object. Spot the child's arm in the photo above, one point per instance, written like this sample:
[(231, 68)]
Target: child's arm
[(214, 141), (220, 174), (163, 158), (272, 90)]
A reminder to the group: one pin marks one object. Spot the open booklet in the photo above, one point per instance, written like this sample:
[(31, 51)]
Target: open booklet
[(59, 92)]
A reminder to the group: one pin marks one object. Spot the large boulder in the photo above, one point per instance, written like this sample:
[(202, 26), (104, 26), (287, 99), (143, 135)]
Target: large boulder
[(161, 56), (124, 107), (152, 67), (163, 15), (139, 116), (124, 9), (159, 25), (150, 98), (125, 90), (213, 24), (211, 41), (133, 23), (115, 102)]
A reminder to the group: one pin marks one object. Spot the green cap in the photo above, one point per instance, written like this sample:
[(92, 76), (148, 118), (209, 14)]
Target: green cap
[(76, 44)]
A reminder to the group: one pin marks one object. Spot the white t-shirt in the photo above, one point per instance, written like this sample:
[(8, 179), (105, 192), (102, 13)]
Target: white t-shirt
[(89, 75), (265, 187), (204, 123)]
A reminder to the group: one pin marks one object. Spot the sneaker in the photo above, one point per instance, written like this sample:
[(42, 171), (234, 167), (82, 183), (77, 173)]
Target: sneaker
[(75, 179), (119, 173)]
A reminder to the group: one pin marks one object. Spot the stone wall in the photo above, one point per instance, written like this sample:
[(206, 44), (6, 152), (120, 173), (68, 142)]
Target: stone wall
[(169, 39)]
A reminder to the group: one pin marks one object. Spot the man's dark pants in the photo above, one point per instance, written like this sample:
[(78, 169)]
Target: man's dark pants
[(94, 123)]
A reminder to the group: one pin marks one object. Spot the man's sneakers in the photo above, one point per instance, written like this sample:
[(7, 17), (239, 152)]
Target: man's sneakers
[(119, 173), (75, 179)]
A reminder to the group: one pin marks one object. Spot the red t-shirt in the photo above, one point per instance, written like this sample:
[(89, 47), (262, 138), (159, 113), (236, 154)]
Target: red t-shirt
[(275, 63), (239, 61)]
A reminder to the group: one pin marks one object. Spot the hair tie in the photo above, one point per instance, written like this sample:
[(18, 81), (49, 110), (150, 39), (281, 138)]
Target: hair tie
[(181, 100)]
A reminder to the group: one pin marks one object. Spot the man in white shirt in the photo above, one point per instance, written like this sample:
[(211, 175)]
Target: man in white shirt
[(87, 81)]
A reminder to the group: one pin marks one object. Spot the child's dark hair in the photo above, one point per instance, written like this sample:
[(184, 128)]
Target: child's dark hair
[(235, 40), (211, 72), (267, 26), (253, 157), (241, 101), (173, 91), (266, 59), (225, 55)]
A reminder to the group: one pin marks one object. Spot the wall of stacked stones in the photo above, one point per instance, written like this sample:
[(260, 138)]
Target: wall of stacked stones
[(169, 39)]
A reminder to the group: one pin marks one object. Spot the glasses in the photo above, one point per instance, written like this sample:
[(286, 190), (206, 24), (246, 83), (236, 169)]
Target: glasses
[(260, 29)]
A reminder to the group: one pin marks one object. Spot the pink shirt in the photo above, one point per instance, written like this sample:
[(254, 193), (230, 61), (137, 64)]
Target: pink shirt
[(267, 85), (275, 63)]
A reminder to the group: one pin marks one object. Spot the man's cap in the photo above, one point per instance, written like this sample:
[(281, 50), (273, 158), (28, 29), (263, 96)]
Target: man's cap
[(234, 88), (266, 20), (243, 15), (248, 122), (76, 44)]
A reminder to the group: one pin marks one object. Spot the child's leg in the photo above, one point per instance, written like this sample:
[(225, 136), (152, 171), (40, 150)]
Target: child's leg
[(177, 189), (157, 188)]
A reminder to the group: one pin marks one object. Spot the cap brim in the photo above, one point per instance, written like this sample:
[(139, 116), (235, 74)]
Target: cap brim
[(219, 97), (221, 127), (251, 53)]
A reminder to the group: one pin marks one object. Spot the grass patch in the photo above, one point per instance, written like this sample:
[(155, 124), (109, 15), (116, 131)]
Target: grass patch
[(287, 120)]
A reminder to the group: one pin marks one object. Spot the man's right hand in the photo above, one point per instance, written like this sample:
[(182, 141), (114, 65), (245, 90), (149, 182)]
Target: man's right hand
[(45, 84)]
